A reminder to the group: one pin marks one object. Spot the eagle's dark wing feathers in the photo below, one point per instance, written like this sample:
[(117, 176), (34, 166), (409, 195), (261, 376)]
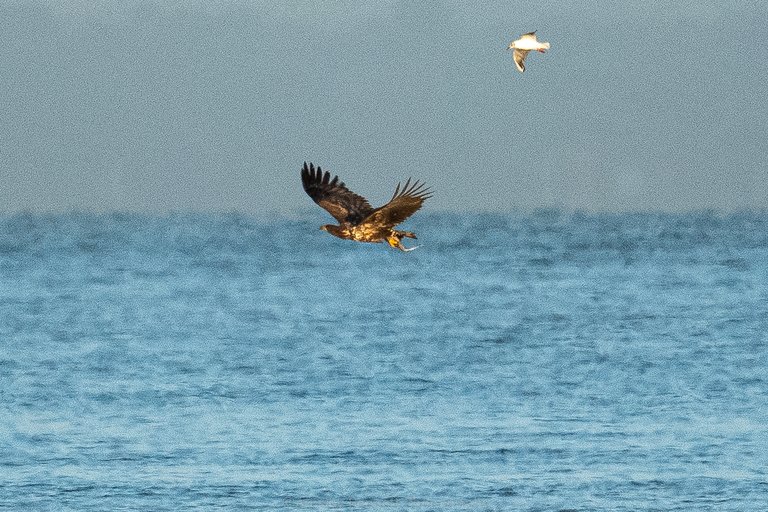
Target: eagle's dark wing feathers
[(404, 203), (333, 195)]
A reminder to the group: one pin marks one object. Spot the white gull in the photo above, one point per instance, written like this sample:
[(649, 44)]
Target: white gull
[(524, 44)]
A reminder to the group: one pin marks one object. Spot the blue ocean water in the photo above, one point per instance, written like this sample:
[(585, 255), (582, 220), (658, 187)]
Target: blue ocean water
[(549, 361)]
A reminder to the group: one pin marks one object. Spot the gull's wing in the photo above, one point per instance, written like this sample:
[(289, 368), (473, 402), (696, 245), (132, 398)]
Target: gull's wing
[(404, 203), (529, 35), (519, 57), (333, 195)]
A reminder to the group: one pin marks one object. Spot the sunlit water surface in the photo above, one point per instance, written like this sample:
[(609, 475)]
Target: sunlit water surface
[(525, 362)]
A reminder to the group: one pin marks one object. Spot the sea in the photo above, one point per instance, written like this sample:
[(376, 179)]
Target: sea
[(531, 361)]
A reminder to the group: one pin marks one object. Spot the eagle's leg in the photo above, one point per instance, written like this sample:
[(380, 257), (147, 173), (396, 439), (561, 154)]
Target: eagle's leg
[(395, 239)]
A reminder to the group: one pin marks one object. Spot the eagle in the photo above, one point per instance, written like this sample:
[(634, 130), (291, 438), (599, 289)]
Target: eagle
[(358, 220)]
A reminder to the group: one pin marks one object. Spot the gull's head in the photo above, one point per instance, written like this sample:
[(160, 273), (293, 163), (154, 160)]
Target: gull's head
[(511, 46), (324, 227)]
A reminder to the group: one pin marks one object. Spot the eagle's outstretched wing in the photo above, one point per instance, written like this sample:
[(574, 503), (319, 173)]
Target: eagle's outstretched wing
[(404, 203), (333, 195)]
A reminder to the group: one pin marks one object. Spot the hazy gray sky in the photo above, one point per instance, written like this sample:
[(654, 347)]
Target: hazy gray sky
[(214, 105)]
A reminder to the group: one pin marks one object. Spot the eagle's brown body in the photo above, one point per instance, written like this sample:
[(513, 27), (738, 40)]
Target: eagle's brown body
[(357, 219)]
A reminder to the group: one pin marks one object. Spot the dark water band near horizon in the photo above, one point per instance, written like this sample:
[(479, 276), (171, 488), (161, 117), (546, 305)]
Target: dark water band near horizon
[(532, 362)]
